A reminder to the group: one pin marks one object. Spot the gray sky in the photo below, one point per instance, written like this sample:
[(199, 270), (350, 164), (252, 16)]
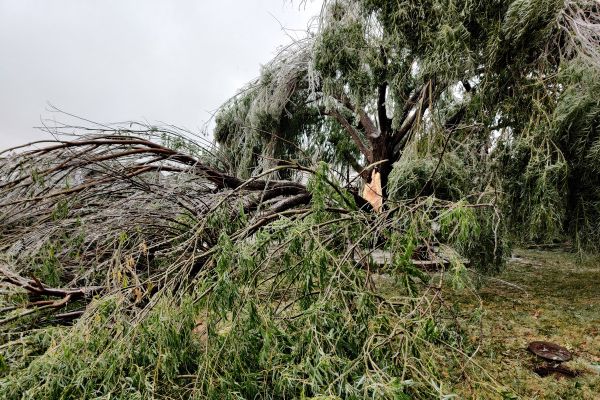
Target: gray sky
[(118, 60)]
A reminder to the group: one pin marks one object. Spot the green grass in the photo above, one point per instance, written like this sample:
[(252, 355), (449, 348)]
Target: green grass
[(541, 295)]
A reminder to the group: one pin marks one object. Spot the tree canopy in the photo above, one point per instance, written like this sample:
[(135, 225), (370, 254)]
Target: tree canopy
[(392, 86)]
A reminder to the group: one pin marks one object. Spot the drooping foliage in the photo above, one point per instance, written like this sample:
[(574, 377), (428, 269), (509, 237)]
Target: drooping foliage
[(551, 171), (268, 120), (137, 264), (401, 83), (135, 270)]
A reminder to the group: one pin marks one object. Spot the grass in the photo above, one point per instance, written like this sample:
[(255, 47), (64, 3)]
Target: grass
[(541, 295)]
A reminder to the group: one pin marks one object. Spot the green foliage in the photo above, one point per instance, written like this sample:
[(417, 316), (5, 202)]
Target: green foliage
[(414, 176), (104, 356), (269, 119), (300, 322), (206, 294), (514, 82), (550, 174), (299, 310), (476, 233), (471, 224)]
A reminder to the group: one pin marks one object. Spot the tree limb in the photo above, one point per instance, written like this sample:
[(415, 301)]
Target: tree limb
[(385, 123), (362, 147), (414, 114)]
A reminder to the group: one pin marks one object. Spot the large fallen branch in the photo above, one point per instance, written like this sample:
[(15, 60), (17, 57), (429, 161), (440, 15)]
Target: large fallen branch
[(99, 209), (121, 211)]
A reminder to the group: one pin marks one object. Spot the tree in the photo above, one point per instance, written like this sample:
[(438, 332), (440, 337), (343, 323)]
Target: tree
[(176, 270), (393, 85), (201, 272)]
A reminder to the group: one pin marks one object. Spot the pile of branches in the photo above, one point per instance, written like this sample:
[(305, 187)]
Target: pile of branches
[(132, 266), (76, 202)]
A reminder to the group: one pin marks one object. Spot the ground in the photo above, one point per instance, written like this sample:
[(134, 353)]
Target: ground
[(541, 295)]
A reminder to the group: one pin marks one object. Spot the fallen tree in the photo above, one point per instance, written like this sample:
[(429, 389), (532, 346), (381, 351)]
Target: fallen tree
[(127, 250), (136, 263)]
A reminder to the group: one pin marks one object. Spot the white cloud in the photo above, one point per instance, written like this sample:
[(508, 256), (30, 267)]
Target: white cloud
[(115, 60)]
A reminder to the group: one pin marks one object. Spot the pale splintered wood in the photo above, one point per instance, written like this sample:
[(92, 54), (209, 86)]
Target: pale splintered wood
[(372, 191)]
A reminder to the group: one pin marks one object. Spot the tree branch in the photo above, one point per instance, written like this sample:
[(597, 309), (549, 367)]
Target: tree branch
[(385, 123), (414, 113), (362, 147), (365, 122)]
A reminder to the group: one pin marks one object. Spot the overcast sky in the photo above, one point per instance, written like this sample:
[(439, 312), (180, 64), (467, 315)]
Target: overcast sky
[(174, 61)]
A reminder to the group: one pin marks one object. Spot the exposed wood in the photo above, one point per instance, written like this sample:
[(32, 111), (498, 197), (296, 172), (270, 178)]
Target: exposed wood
[(372, 191)]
